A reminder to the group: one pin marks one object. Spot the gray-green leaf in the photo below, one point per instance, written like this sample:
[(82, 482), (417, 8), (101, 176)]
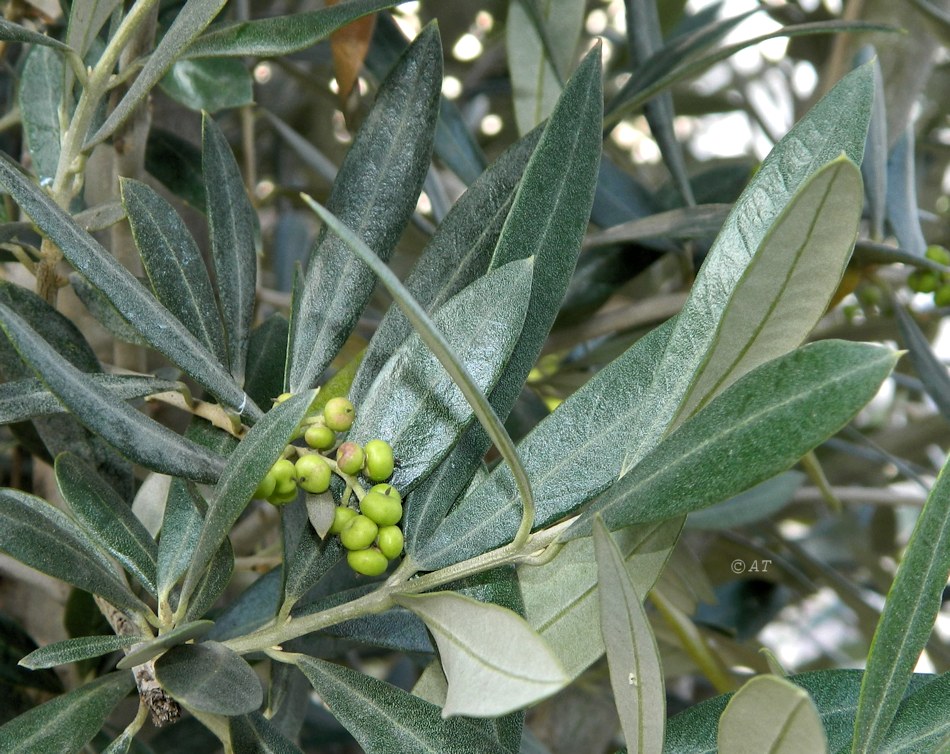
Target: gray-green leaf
[(757, 427), (154, 647), (493, 661), (44, 538), (632, 655), (74, 650), (107, 518), (40, 98), (209, 677)]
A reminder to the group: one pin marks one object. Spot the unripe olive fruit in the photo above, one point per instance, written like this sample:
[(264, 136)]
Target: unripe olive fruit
[(283, 499), (388, 490), (358, 533), (319, 437), (284, 487), (341, 517), (390, 541), (282, 470), (369, 562), (379, 460), (938, 254), (349, 458), (266, 486), (385, 510), (942, 296), (313, 473), (339, 414), (923, 281)]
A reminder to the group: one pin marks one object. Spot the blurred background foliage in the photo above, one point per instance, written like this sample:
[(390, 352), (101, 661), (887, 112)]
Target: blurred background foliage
[(799, 565)]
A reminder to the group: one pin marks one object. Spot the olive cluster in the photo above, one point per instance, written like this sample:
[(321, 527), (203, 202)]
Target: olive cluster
[(371, 535), (931, 281)]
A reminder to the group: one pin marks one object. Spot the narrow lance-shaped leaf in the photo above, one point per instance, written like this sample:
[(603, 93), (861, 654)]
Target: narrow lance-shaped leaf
[(819, 138), (135, 435), (173, 264), (757, 427), (44, 538), (414, 404), (155, 323), (85, 21), (384, 719), (561, 597), (458, 253), (632, 655), (257, 733), (788, 283), (232, 227), (903, 215), (922, 722), (190, 21), (912, 605), (107, 518), (212, 583), (493, 661), (246, 466), (572, 455), (68, 722), (11, 32), (40, 97), (282, 35), (558, 187), (154, 647), (23, 399), (770, 715), (375, 194), (874, 168), (181, 527), (930, 369), (74, 650)]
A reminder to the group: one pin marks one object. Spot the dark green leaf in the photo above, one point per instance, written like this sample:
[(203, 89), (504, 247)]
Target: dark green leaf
[(255, 734), (68, 722), (246, 466), (142, 311), (912, 605), (570, 456), (458, 253), (102, 309), (212, 584), (414, 404), (11, 32), (254, 607), (181, 527), (632, 655), (191, 20), (398, 630), (212, 84), (40, 98), (757, 427), (266, 354), (310, 561), (385, 719), (686, 222), (154, 647), (85, 21), (749, 507), (177, 164), (929, 368), (16, 644), (232, 226), (107, 518), (209, 677), (73, 650), (874, 168), (135, 435), (903, 215), (173, 263), (24, 399), (922, 721), (281, 35), (375, 193), (42, 537)]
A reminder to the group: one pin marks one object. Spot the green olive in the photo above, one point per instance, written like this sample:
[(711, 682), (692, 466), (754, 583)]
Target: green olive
[(390, 541), (942, 296), (370, 562), (923, 281), (358, 533), (388, 490), (341, 517), (279, 498), (284, 487), (319, 437), (282, 470), (384, 509), (266, 487), (349, 458), (938, 254), (339, 414), (313, 473), (379, 460)]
